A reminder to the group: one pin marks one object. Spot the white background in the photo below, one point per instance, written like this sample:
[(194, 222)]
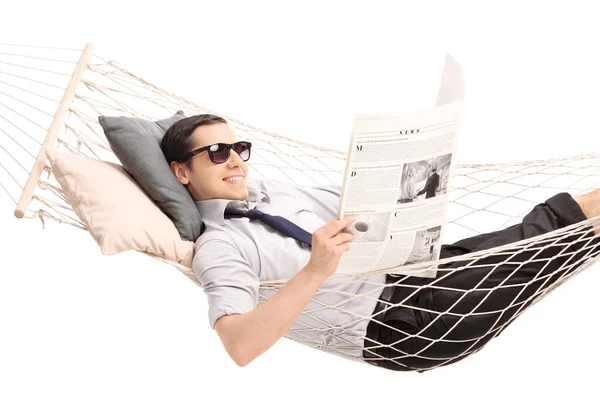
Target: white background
[(78, 325)]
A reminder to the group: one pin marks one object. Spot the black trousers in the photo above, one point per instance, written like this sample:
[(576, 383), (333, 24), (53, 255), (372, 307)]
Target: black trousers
[(506, 283)]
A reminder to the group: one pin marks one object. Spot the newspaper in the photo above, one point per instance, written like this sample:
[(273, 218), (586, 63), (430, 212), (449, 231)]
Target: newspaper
[(396, 182)]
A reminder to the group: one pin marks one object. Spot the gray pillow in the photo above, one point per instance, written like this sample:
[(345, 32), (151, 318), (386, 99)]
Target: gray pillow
[(136, 143)]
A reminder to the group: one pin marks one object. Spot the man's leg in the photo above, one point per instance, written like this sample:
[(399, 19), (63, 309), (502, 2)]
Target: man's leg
[(576, 208), (505, 283)]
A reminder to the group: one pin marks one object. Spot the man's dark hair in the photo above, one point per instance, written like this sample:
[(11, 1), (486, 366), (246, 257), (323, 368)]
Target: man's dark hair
[(178, 138)]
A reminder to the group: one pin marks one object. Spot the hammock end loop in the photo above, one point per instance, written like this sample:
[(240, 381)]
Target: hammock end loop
[(48, 170), (39, 214)]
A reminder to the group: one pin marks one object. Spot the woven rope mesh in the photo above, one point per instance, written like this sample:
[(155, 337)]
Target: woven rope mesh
[(482, 198)]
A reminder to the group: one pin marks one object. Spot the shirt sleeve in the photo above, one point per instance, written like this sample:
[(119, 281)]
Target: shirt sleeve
[(229, 281)]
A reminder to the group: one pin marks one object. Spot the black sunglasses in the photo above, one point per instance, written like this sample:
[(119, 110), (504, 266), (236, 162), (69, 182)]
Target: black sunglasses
[(219, 152)]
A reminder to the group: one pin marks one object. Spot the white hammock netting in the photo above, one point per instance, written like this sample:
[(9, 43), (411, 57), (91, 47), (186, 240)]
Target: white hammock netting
[(483, 197)]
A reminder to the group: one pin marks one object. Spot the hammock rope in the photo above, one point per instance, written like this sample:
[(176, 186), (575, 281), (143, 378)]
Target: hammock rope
[(482, 197)]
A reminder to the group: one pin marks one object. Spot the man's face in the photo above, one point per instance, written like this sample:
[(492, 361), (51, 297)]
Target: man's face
[(207, 180)]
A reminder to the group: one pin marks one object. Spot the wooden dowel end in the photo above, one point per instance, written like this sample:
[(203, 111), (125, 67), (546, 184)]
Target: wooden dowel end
[(61, 114)]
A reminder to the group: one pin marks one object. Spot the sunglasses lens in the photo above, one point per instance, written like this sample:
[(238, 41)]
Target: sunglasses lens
[(219, 153), (243, 149)]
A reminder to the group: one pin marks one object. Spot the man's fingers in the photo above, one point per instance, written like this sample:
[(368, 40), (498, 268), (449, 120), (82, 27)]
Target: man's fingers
[(343, 238), (332, 228)]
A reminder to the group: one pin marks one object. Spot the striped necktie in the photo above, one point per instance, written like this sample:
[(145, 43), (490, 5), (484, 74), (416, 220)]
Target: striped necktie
[(280, 224)]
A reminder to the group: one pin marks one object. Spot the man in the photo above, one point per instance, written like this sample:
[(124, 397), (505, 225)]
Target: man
[(234, 254), (431, 184)]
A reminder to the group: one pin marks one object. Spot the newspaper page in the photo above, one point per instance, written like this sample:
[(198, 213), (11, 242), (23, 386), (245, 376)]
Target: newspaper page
[(396, 182)]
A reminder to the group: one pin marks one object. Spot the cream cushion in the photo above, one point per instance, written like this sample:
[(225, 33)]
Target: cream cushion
[(118, 213)]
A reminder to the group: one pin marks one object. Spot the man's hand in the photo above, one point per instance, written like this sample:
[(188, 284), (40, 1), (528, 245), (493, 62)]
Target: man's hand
[(328, 244)]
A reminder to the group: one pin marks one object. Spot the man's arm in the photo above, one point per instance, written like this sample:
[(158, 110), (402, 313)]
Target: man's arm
[(247, 336), (247, 331)]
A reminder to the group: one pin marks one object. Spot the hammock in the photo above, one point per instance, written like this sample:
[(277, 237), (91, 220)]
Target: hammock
[(57, 107)]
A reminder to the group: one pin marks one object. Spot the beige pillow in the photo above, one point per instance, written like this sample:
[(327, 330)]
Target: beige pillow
[(118, 213)]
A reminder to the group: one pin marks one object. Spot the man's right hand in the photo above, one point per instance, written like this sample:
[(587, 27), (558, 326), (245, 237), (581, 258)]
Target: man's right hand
[(328, 244)]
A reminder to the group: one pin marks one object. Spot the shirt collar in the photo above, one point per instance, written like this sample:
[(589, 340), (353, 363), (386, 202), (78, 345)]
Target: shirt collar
[(214, 210)]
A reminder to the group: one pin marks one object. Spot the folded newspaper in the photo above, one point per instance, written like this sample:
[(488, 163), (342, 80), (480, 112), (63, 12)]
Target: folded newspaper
[(396, 183)]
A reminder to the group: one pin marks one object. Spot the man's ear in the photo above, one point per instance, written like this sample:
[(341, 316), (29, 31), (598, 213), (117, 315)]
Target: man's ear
[(180, 172)]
